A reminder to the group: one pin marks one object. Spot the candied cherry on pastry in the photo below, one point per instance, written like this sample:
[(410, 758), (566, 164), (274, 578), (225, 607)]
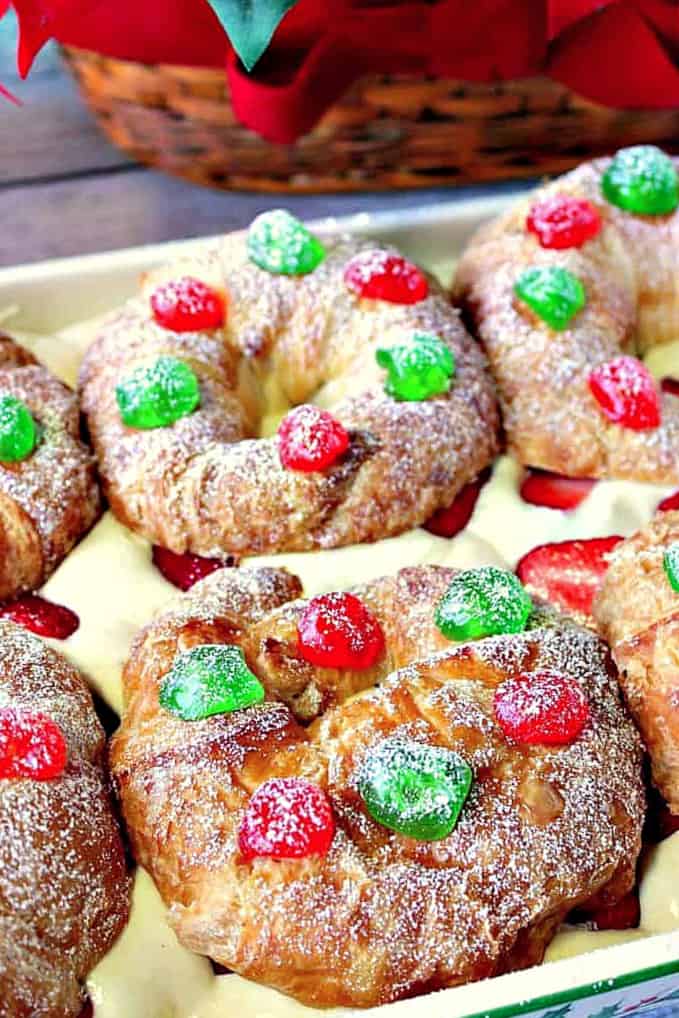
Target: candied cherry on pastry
[(184, 570), (561, 221), (554, 294), (310, 439), (209, 679), (382, 275), (567, 573), (554, 491), (280, 244), (670, 385), (670, 562), (452, 519), (414, 789), (643, 180), (338, 631), (18, 431), (627, 393), (286, 818), (542, 708), (485, 601), (156, 395), (417, 369), (40, 616), (187, 305), (32, 745), (670, 502)]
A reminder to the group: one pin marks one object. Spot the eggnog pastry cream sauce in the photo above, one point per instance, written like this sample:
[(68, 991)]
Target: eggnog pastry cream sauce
[(109, 580)]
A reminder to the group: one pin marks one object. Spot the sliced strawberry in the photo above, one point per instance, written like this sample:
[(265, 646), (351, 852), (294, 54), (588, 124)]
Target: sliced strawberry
[(669, 502), (554, 491), (450, 521), (185, 570), (40, 616), (567, 573), (670, 385), (624, 915)]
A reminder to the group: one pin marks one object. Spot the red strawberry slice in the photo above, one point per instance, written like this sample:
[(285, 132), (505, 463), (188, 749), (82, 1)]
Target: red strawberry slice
[(624, 915), (669, 502), (450, 521), (567, 573), (670, 385), (185, 570), (40, 616), (554, 491)]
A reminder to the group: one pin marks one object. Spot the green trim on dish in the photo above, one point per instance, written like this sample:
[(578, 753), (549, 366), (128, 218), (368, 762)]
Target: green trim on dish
[(581, 992)]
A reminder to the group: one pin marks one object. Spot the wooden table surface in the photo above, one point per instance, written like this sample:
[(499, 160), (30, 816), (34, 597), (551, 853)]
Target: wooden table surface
[(64, 190)]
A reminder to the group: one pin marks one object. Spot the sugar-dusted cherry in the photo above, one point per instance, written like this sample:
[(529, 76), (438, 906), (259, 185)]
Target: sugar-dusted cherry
[(562, 221), (382, 275), (32, 745), (188, 305), (627, 393), (339, 631), (541, 708), (311, 439), (286, 818)]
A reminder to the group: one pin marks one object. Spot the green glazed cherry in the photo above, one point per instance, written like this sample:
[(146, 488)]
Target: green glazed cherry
[(280, 244), (486, 601), (553, 293), (418, 369), (670, 563), (414, 789), (643, 180), (157, 395), (210, 679), (18, 431)]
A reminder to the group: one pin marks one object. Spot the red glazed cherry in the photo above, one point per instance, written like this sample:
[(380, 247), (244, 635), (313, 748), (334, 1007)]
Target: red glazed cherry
[(561, 221), (624, 915), (450, 521), (338, 631), (286, 818), (185, 570), (625, 390), (41, 616), (378, 275), (553, 491), (567, 573), (31, 746), (187, 305), (541, 708), (670, 385), (670, 502), (310, 439)]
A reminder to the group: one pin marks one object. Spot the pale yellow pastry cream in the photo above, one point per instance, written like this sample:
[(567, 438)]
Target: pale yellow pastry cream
[(110, 581)]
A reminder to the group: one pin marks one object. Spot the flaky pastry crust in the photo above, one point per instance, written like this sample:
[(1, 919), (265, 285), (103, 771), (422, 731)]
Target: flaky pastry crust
[(49, 499), (381, 916), (637, 612), (64, 888), (208, 485), (629, 273)]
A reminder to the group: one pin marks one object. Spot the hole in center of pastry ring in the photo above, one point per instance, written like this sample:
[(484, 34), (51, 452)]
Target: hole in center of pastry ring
[(283, 393), (451, 782)]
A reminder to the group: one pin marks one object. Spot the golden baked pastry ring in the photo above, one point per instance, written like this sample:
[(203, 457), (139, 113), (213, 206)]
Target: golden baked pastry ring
[(627, 272), (637, 611), (380, 915), (49, 498), (208, 485), (64, 887)]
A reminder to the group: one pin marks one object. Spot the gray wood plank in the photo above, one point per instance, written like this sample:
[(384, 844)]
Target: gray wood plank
[(136, 206), (52, 134)]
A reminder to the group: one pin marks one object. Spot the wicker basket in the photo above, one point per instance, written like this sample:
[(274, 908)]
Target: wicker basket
[(387, 132)]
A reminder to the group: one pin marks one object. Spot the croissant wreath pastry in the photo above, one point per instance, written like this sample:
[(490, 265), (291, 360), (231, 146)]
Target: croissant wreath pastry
[(64, 889), (48, 492), (637, 612), (177, 384), (566, 291), (403, 787)]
